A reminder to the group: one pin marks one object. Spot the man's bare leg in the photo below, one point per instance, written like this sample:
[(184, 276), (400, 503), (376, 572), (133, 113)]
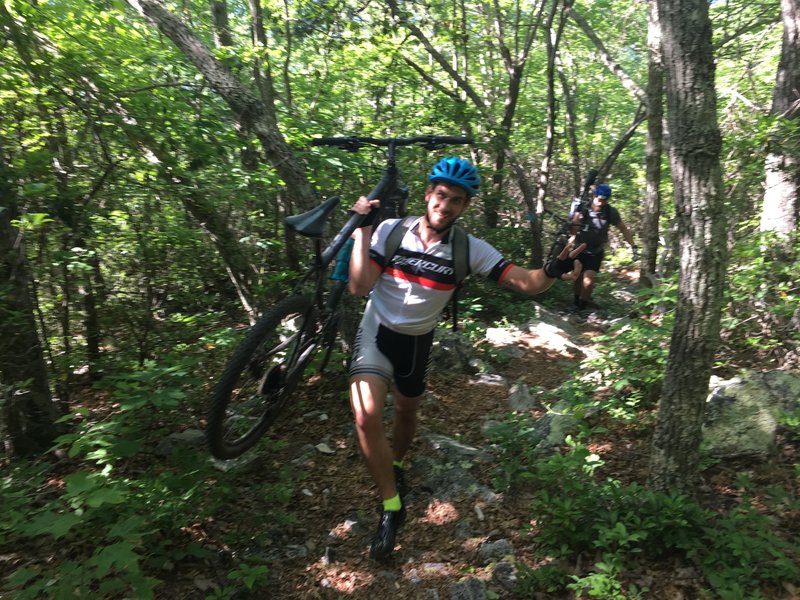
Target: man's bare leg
[(405, 424), (367, 397)]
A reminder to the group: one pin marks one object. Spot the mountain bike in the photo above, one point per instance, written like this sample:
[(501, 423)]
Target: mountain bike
[(301, 330), (560, 228)]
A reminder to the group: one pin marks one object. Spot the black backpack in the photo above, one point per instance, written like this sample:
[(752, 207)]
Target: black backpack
[(460, 243), (594, 238)]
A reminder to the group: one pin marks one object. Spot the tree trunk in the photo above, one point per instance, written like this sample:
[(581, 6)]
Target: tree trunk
[(29, 412), (553, 38), (570, 121), (695, 145), (653, 150), (782, 169)]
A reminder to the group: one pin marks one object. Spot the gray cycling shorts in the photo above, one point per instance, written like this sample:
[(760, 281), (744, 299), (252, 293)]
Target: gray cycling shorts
[(392, 356)]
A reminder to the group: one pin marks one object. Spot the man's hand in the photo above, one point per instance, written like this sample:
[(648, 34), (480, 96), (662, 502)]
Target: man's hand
[(370, 208), (565, 266), (635, 250)]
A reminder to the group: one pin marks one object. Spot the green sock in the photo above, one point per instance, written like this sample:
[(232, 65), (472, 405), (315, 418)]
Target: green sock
[(392, 504), (398, 463)]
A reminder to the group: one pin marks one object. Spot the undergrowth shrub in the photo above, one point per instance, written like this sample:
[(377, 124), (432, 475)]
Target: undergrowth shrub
[(115, 516), (575, 514), (632, 356), (761, 318)]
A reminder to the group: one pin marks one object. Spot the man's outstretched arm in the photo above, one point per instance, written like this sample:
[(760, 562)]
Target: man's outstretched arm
[(534, 281)]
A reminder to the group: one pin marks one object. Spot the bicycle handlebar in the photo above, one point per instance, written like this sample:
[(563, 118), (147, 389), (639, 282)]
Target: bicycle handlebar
[(354, 143)]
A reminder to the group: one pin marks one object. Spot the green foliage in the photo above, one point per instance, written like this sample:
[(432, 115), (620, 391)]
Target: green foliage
[(118, 522), (632, 357), (575, 514), (548, 577), (761, 300), (791, 420), (742, 551), (604, 582)]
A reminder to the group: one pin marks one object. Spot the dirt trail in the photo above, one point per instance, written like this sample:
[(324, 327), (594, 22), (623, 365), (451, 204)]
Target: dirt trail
[(337, 504)]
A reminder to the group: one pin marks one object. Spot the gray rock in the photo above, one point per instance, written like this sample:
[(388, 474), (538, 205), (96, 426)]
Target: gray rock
[(455, 451), (451, 351), (504, 574), (490, 379), (742, 413), (523, 398), (470, 588), (449, 480), (190, 438), (489, 551)]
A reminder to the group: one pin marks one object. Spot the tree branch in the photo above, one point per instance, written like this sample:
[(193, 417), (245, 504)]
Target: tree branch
[(628, 83)]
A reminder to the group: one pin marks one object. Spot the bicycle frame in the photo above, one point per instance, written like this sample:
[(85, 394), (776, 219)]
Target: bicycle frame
[(265, 368), (393, 198), (388, 190)]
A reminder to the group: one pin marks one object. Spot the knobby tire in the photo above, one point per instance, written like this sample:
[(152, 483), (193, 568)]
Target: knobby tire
[(261, 375)]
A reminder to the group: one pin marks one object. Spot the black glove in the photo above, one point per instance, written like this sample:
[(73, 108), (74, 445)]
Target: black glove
[(556, 267), (369, 218)]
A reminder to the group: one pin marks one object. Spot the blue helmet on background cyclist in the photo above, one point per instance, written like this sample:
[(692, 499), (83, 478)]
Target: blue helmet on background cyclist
[(603, 190), (457, 171)]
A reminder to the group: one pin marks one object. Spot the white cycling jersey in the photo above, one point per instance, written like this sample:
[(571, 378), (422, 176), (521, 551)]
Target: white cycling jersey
[(418, 282)]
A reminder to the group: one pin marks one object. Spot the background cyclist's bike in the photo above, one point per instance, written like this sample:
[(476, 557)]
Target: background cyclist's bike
[(265, 369)]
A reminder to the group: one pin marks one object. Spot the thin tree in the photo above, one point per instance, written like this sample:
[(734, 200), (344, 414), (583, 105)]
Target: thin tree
[(782, 169), (28, 410), (654, 147), (695, 145)]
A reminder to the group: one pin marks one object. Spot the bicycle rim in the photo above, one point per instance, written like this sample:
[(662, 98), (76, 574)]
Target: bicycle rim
[(261, 376)]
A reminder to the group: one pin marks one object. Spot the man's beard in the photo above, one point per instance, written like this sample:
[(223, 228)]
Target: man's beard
[(437, 229)]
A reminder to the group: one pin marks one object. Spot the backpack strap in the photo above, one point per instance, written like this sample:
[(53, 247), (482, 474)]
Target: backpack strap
[(460, 244), (395, 238)]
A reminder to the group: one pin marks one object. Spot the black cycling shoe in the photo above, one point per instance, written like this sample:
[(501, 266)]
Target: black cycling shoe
[(383, 542)]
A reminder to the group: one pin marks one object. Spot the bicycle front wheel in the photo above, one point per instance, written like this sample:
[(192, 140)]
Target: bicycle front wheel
[(261, 376)]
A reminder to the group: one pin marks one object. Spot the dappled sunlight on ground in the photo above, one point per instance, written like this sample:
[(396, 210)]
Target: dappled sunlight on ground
[(440, 513)]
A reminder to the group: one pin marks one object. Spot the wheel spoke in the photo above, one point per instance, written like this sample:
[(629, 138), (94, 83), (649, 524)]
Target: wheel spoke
[(261, 376)]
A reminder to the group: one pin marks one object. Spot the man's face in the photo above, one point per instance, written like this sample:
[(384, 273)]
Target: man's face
[(599, 201), (445, 203)]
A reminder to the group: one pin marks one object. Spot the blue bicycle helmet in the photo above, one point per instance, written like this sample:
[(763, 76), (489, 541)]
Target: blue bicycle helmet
[(603, 190), (457, 171)]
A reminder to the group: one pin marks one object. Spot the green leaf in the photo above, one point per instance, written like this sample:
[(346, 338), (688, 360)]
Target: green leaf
[(23, 576), (122, 555), (52, 523), (80, 482), (105, 496), (129, 529), (126, 448)]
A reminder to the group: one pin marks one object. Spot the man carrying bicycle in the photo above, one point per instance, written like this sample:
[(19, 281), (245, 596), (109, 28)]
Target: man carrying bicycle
[(406, 299), (591, 225)]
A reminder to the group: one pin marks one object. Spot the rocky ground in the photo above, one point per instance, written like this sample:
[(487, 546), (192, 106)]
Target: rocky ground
[(463, 535)]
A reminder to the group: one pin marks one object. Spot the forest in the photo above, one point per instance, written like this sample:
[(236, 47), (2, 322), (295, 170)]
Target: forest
[(150, 152)]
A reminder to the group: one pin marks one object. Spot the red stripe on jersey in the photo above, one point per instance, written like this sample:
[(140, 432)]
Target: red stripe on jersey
[(423, 281), (504, 273)]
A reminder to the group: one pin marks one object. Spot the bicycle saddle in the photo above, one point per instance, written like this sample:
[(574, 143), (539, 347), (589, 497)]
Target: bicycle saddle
[(312, 222)]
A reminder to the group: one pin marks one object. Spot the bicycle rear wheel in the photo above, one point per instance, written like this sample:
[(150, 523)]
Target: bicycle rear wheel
[(261, 376)]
